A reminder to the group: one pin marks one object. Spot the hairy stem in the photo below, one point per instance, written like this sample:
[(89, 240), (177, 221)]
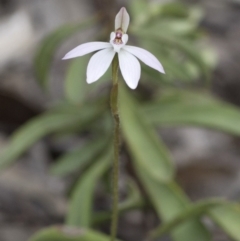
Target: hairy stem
[(114, 109)]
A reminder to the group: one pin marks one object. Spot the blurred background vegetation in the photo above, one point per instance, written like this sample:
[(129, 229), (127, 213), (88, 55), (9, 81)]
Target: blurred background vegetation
[(180, 168)]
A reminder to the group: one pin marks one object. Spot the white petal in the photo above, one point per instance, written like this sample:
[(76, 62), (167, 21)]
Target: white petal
[(99, 64), (146, 57), (130, 68), (86, 49), (125, 38), (122, 20)]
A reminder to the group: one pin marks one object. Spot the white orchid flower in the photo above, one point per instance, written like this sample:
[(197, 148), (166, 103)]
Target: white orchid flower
[(128, 63)]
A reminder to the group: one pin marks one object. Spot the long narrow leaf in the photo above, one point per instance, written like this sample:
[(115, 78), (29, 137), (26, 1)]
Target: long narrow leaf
[(45, 124), (193, 108), (49, 45), (76, 87), (76, 159), (176, 43), (80, 211), (228, 218), (144, 145), (193, 211), (169, 202), (64, 233)]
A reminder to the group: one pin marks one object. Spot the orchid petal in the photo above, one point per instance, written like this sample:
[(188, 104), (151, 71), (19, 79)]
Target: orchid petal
[(86, 49), (125, 38), (130, 68), (99, 64), (146, 57), (122, 20)]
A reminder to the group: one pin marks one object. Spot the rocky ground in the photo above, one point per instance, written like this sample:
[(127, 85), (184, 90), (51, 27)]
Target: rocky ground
[(211, 161)]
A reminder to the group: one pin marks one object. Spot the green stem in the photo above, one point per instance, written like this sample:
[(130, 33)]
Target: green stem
[(114, 109)]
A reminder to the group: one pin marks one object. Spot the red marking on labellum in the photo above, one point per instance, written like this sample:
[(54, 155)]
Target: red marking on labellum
[(118, 37)]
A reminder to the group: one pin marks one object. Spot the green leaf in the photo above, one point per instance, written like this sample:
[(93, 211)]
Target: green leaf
[(139, 10), (76, 86), (78, 158), (228, 218), (186, 72), (64, 233), (177, 107), (169, 201), (49, 45), (133, 197), (180, 27), (142, 140), (192, 211), (50, 122), (80, 211), (172, 9), (176, 43)]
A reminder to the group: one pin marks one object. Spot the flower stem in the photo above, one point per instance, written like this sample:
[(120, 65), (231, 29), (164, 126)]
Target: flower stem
[(114, 109)]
